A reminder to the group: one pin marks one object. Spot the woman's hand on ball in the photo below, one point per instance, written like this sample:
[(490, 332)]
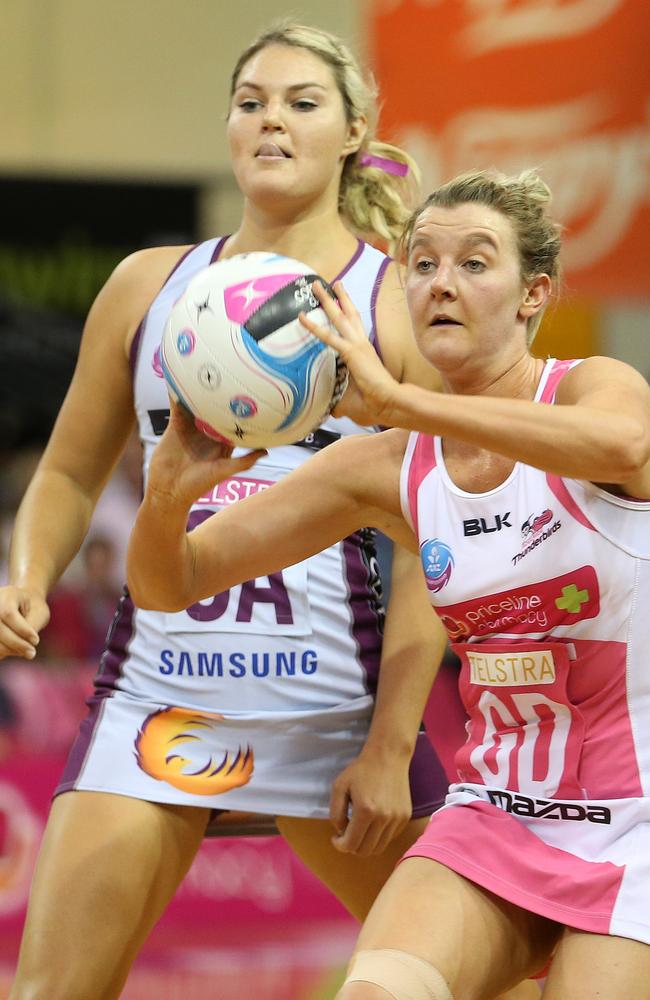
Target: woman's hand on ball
[(370, 395), (187, 463)]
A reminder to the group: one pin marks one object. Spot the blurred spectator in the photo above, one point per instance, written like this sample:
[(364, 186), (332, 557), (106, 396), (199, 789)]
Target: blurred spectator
[(16, 470), (112, 518), (82, 609), (40, 702), (44, 700), (116, 509)]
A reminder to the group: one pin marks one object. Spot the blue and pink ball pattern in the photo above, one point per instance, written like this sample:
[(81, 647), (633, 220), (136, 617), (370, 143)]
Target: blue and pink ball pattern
[(235, 354)]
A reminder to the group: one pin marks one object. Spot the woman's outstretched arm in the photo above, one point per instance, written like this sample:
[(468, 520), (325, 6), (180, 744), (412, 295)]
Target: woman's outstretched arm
[(351, 484)]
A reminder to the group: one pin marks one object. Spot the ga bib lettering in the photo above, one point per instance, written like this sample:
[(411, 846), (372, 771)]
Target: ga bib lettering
[(272, 605)]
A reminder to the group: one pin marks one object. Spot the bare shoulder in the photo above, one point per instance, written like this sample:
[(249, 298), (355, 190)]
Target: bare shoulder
[(131, 288), (622, 393), (601, 374), (399, 350), (97, 414), (154, 261)]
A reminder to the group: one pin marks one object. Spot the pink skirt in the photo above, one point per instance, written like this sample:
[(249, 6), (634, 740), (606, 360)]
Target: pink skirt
[(584, 864)]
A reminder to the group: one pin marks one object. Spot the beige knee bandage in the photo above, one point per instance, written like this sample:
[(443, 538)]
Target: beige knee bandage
[(403, 976)]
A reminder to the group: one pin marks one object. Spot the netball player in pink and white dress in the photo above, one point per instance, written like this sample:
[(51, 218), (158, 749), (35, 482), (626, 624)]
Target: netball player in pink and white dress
[(525, 487)]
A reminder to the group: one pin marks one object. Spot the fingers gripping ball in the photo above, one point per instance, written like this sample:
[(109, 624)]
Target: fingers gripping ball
[(235, 354)]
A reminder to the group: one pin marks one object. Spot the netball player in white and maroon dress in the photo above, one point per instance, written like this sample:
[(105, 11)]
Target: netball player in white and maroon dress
[(525, 487), (279, 674)]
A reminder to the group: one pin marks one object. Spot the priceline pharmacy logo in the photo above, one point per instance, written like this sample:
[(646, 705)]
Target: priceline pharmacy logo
[(562, 600)]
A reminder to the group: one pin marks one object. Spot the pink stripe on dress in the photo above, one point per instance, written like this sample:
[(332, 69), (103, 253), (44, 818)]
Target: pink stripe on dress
[(559, 490), (423, 460), (609, 765), (496, 851), (557, 373)]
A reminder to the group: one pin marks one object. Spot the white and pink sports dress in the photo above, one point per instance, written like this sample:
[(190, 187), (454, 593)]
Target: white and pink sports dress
[(258, 697), (543, 584)]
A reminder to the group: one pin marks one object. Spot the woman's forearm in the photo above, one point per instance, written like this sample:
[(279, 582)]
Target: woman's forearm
[(581, 442), (160, 560), (49, 529)]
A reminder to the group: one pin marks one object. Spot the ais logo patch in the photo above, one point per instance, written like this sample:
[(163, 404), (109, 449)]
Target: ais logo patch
[(437, 562)]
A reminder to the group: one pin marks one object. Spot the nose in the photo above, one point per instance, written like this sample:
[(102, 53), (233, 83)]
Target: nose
[(442, 283), (273, 120)]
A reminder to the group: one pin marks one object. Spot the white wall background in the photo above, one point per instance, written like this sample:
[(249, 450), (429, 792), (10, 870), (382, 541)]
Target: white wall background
[(130, 87)]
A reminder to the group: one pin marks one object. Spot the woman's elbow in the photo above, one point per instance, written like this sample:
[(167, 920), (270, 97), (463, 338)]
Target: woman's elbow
[(632, 454), (151, 598)]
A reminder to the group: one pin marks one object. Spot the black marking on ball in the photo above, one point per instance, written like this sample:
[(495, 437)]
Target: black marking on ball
[(203, 307), (285, 305)]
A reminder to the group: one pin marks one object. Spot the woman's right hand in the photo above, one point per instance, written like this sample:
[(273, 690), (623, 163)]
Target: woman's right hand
[(186, 463), (372, 387), (23, 614)]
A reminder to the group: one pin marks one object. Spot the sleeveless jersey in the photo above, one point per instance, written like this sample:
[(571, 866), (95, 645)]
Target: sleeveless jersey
[(543, 584), (268, 687)]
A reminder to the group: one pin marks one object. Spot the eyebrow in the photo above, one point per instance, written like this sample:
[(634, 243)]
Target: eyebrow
[(471, 240), (419, 241), (475, 239), (294, 86)]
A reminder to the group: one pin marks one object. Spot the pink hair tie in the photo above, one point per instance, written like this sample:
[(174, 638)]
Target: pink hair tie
[(388, 166)]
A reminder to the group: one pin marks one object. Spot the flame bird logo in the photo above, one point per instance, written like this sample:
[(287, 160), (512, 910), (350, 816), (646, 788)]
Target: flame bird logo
[(166, 729)]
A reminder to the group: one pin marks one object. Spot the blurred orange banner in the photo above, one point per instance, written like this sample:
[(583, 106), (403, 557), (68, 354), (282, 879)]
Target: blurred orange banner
[(561, 85)]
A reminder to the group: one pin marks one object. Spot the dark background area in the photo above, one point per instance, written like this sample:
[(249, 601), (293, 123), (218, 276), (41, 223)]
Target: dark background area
[(60, 241)]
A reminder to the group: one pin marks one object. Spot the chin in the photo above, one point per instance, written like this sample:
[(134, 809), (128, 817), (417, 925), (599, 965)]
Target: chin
[(269, 183), (432, 343), (446, 357)]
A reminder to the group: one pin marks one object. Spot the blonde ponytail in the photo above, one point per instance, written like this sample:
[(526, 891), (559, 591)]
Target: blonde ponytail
[(374, 199)]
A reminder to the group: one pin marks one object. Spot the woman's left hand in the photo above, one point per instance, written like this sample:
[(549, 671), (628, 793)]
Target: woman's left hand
[(372, 385), (370, 804)]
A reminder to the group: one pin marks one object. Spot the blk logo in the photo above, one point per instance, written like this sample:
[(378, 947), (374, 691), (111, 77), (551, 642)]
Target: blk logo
[(479, 525)]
